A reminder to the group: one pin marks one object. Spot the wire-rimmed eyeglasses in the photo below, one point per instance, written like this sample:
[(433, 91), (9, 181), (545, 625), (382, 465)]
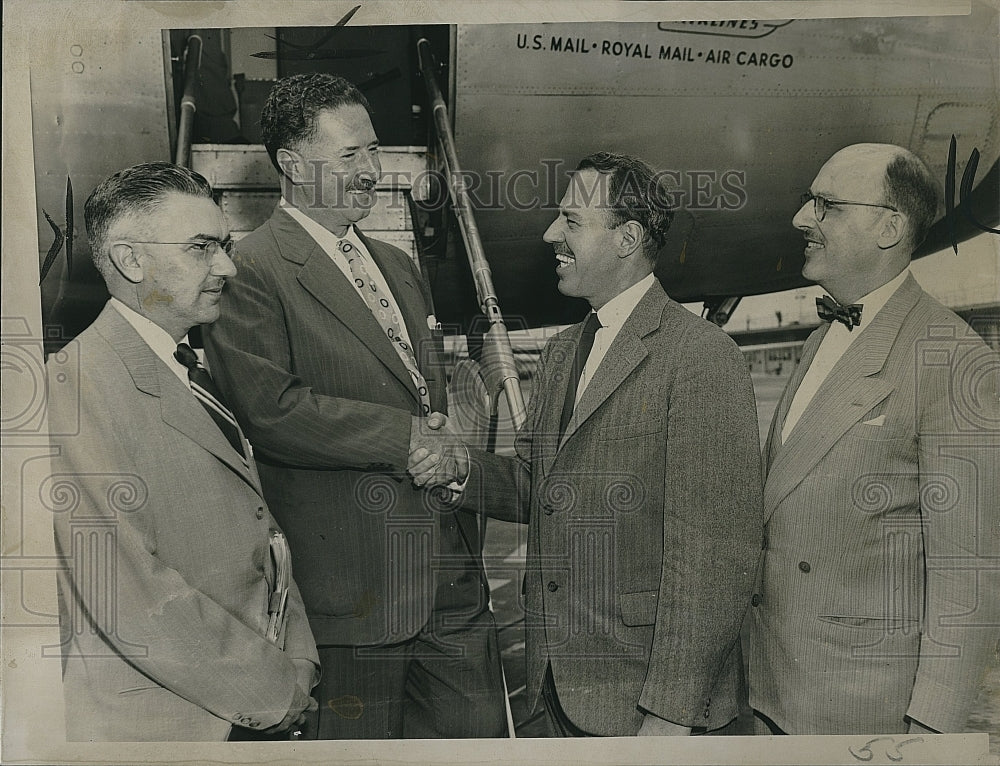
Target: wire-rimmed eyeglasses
[(207, 247), (821, 204)]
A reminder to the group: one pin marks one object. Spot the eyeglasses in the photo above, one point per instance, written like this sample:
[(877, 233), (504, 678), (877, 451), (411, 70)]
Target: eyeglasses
[(821, 204), (208, 247)]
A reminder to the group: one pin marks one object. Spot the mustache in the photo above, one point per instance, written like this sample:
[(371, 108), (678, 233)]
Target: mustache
[(361, 184), (562, 249)]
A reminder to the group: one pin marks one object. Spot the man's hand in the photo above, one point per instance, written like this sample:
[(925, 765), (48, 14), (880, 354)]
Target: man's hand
[(305, 674), (302, 703), (658, 727), (437, 454)]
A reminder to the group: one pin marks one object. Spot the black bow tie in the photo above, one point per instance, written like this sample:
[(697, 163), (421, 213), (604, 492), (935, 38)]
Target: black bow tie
[(829, 310)]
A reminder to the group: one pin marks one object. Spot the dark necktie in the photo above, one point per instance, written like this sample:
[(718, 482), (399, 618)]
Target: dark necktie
[(829, 310), (206, 392), (590, 328)]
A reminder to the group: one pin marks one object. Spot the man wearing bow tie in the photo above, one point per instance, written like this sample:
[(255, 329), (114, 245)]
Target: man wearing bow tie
[(170, 602), (327, 353), (876, 610)]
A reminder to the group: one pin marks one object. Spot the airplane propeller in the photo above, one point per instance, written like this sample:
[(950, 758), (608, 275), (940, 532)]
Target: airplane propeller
[(315, 51)]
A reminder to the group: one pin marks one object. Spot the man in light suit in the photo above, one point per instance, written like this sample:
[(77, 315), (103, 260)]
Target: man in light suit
[(327, 349), (169, 626), (638, 473), (877, 608)]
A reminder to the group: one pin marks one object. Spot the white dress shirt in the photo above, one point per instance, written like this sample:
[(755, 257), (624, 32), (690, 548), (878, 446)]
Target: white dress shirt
[(612, 316), (331, 246), (833, 346), (156, 338)]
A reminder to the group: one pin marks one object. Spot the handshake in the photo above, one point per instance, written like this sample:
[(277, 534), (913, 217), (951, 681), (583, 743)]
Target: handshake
[(438, 456)]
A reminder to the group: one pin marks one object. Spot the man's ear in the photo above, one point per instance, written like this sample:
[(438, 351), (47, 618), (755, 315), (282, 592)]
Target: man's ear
[(893, 231), (292, 165), (632, 234), (126, 261)]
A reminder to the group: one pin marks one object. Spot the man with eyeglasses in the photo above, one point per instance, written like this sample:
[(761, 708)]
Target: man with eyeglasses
[(178, 614), (876, 609)]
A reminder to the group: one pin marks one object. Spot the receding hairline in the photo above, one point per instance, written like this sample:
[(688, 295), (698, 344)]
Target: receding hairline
[(139, 216)]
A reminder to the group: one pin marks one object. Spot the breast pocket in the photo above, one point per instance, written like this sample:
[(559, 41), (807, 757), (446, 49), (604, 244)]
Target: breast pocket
[(638, 608), (631, 430)]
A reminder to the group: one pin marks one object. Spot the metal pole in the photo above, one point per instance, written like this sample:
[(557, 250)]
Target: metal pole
[(185, 125), (503, 355)]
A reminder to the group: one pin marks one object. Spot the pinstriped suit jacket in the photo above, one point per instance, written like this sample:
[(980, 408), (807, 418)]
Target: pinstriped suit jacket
[(644, 523), (881, 512), (327, 404), (163, 604)]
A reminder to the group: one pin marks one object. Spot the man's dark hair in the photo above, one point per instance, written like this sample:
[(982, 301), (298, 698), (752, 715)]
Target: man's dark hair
[(134, 191), (636, 193), (910, 188), (289, 114)]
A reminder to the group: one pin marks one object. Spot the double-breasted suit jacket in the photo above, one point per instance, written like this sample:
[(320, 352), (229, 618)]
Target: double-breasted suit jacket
[(327, 403), (644, 522), (877, 598), (163, 601)]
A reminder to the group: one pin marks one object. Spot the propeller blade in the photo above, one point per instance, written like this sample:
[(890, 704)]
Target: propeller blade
[(69, 227), (57, 244)]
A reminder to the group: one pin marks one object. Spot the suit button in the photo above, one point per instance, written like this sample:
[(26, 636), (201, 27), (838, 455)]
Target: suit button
[(553, 586), (260, 511), (548, 509), (755, 600), (804, 566)]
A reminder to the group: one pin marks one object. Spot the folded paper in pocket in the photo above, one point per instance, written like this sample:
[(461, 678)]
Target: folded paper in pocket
[(879, 421)]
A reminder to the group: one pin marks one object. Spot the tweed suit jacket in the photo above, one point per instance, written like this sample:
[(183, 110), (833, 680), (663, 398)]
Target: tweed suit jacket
[(644, 523), (876, 601), (327, 403), (164, 596)]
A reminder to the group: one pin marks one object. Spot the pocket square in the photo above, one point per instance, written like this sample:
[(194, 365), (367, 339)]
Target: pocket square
[(879, 421)]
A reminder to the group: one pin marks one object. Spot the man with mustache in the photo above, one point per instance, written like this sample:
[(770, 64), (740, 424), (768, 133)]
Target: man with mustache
[(168, 599), (638, 473), (327, 350), (877, 608)]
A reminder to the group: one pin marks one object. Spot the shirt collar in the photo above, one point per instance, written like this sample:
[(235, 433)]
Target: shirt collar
[(156, 337), (614, 313), (874, 301), (323, 236)]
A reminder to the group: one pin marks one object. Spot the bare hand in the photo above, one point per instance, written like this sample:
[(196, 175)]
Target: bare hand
[(659, 727), (437, 453)]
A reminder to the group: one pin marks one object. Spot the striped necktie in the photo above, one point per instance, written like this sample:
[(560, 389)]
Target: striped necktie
[(382, 310), (206, 392)]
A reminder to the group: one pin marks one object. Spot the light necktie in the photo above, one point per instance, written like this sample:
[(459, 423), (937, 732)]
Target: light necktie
[(387, 318), (829, 310), (206, 392), (590, 328)]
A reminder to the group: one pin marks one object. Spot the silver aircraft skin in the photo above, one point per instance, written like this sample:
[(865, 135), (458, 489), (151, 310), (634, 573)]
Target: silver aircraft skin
[(737, 114)]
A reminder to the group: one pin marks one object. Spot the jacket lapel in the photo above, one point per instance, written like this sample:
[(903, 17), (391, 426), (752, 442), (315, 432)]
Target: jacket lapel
[(178, 407), (321, 277), (773, 443), (624, 355), (558, 368), (851, 389)]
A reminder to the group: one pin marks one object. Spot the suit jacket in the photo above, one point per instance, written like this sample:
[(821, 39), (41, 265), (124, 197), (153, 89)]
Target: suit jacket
[(644, 523), (164, 596), (876, 601), (327, 403)]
